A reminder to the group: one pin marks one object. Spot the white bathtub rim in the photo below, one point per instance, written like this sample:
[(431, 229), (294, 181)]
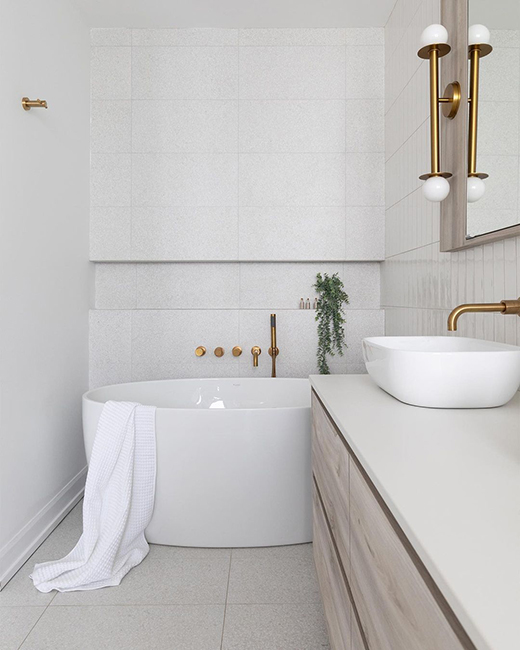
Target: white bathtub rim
[(87, 395)]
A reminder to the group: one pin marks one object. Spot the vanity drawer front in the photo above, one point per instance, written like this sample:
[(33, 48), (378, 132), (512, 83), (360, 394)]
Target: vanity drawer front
[(395, 605), (330, 464), (336, 602), (357, 639)]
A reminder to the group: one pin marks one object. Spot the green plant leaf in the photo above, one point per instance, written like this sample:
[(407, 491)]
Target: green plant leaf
[(330, 318)]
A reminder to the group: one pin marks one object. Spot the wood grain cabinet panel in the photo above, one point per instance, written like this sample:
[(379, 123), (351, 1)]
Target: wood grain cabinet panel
[(395, 605), (336, 602), (330, 462), (357, 639)]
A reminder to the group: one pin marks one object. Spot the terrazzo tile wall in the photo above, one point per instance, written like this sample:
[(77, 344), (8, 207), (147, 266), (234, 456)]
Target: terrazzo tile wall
[(420, 285), (228, 167)]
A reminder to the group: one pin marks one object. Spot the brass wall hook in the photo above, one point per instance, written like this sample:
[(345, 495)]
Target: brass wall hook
[(27, 103)]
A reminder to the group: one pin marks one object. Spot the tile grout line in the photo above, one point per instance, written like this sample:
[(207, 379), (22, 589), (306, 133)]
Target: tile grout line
[(226, 603), (37, 621)]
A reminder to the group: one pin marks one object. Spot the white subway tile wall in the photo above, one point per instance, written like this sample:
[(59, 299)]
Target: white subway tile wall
[(420, 285), (228, 168)]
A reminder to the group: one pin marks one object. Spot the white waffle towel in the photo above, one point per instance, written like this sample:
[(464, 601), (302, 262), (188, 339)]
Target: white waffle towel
[(118, 504)]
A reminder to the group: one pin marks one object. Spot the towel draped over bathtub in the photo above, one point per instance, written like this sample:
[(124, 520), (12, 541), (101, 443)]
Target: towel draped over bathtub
[(118, 504)]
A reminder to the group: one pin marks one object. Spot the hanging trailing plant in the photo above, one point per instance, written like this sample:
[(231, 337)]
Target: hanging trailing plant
[(329, 316)]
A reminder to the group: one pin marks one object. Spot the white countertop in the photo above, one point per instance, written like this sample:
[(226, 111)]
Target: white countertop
[(452, 480)]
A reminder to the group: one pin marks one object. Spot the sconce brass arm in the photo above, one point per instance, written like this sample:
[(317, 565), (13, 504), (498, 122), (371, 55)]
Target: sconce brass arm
[(476, 52), (451, 100)]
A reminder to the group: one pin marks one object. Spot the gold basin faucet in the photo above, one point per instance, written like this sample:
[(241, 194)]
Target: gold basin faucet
[(502, 307), (273, 350)]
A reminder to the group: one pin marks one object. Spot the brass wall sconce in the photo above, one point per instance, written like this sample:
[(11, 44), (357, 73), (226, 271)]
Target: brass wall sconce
[(479, 47), (434, 45), (27, 103)]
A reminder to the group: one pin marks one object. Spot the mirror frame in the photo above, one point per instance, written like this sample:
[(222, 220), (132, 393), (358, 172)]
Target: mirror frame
[(454, 138)]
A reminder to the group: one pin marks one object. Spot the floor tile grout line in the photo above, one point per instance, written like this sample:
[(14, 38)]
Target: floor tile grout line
[(36, 622), (225, 604)]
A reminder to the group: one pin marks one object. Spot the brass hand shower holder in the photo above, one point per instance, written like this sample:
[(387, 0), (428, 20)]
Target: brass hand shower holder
[(273, 350)]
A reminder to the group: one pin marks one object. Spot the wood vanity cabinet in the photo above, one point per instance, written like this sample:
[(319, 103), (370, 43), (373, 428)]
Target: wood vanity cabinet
[(376, 592)]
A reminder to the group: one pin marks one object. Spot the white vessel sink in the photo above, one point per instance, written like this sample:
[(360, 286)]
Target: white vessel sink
[(444, 371)]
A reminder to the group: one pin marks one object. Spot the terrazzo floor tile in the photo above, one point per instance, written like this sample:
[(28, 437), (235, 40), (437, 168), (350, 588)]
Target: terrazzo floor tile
[(273, 580), (162, 582), (174, 553), (272, 627), (20, 591), (182, 627), (176, 600), (15, 625), (303, 551)]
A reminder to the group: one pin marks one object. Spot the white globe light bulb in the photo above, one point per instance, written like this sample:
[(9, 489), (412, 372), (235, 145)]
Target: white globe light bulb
[(433, 35), (436, 189), (476, 189), (478, 34)]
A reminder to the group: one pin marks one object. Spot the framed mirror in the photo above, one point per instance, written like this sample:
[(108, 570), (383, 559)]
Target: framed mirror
[(482, 144)]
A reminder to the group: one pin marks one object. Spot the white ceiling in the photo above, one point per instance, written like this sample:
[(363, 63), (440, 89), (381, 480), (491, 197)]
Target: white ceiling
[(236, 13)]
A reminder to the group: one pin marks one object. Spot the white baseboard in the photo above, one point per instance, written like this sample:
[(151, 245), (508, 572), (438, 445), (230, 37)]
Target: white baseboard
[(18, 550)]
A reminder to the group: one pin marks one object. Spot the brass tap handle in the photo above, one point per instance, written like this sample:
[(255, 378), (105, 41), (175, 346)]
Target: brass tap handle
[(237, 351), (200, 351), (256, 352), (219, 352)]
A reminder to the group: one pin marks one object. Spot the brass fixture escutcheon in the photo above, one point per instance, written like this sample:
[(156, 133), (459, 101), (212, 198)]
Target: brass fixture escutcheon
[(451, 100), (237, 351), (219, 352), (200, 351)]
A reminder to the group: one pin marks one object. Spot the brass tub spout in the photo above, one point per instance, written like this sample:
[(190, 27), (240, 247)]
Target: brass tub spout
[(503, 307), (256, 352)]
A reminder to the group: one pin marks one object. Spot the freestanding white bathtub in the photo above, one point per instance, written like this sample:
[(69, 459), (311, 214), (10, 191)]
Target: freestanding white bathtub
[(233, 459)]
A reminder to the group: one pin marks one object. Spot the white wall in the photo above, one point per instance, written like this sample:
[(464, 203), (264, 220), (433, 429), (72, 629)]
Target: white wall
[(44, 269), (420, 285), (246, 161)]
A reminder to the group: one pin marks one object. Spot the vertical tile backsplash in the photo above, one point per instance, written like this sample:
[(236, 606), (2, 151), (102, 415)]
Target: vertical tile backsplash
[(420, 285), (228, 168)]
